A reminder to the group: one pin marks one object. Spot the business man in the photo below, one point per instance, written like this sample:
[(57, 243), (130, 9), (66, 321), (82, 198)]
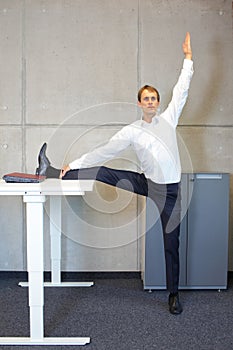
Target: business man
[(153, 138)]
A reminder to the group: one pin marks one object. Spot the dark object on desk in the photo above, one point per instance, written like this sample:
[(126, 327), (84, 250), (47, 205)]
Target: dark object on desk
[(22, 177)]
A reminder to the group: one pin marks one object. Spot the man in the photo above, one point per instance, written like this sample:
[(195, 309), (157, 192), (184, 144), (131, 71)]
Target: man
[(154, 141)]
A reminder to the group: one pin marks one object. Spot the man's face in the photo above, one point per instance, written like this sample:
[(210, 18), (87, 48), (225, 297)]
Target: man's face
[(149, 102)]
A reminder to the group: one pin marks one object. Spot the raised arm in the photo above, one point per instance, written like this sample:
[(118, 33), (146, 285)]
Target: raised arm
[(180, 91), (187, 47)]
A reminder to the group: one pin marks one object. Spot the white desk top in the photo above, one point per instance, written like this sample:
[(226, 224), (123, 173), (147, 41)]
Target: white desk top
[(53, 187)]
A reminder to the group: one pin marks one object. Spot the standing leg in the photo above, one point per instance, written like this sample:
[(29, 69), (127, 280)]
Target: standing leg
[(168, 201), (170, 218)]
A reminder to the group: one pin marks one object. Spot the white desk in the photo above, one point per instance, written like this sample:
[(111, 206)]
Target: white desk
[(34, 196)]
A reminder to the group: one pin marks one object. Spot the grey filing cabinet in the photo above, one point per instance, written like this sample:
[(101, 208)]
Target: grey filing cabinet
[(203, 236)]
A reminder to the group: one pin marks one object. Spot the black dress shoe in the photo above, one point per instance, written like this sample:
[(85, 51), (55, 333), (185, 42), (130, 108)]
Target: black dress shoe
[(43, 161), (175, 306)]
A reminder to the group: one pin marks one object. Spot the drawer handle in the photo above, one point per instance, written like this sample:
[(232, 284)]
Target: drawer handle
[(209, 176)]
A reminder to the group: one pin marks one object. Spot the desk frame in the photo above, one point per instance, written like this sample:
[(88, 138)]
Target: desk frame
[(55, 252), (34, 196)]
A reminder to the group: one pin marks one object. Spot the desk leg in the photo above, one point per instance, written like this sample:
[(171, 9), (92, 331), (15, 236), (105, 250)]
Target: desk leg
[(35, 262), (55, 239), (55, 236), (55, 242)]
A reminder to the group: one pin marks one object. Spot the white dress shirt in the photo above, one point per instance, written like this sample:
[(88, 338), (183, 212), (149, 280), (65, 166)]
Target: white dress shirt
[(155, 143)]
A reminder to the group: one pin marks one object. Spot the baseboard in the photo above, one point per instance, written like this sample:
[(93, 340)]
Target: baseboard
[(74, 276)]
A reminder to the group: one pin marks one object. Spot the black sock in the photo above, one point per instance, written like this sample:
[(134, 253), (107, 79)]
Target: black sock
[(53, 173)]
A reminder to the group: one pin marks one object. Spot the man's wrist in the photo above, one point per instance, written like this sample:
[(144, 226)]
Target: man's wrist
[(188, 56)]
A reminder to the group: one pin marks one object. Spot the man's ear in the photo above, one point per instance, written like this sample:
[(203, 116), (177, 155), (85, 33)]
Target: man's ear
[(139, 104)]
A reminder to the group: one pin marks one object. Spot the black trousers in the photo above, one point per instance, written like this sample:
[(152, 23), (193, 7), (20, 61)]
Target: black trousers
[(166, 197)]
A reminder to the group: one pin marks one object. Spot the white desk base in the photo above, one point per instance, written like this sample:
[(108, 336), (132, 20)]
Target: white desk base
[(44, 341), (61, 284), (55, 239), (34, 197)]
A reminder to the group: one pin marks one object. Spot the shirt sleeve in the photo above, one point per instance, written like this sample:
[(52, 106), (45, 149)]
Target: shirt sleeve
[(116, 144), (180, 94)]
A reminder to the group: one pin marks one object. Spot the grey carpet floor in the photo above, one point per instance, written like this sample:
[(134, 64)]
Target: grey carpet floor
[(118, 315)]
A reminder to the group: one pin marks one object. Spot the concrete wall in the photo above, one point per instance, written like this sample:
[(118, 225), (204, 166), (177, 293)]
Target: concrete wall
[(70, 71)]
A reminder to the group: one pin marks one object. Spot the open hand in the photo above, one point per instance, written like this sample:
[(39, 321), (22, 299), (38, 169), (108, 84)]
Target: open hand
[(187, 47), (64, 171)]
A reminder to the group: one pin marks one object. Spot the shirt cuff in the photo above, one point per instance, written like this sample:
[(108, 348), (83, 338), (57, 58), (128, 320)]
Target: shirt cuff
[(188, 64), (74, 165)]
